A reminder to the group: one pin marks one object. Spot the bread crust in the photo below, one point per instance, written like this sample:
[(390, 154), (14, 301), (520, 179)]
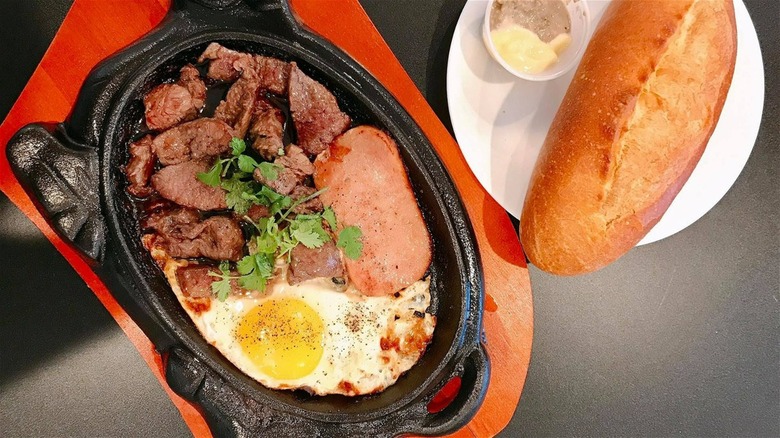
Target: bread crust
[(630, 130)]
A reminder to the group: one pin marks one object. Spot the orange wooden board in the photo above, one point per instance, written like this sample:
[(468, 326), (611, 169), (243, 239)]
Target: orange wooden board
[(94, 29)]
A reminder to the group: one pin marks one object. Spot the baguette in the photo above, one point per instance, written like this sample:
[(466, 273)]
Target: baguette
[(630, 130)]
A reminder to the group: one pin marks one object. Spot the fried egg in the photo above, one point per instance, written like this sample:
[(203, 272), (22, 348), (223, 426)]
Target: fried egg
[(312, 336)]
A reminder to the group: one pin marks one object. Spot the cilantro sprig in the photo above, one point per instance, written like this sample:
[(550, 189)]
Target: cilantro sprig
[(234, 175), (274, 236), (280, 233), (221, 288)]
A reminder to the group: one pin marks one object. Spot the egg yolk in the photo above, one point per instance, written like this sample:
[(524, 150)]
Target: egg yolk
[(282, 337)]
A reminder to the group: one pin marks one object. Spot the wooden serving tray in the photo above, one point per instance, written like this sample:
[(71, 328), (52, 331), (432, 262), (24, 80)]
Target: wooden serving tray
[(94, 29)]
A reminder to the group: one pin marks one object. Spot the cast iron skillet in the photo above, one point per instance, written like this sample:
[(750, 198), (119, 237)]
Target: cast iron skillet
[(73, 172)]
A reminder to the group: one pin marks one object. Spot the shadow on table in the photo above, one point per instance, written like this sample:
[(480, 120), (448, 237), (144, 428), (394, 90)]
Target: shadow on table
[(46, 308)]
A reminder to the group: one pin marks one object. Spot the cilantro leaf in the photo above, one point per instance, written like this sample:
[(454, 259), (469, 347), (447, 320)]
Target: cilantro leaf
[(245, 265), (276, 202), (304, 233), (234, 196), (256, 269), (270, 171), (266, 244), (238, 146), (236, 202), (286, 241), (264, 264), (350, 240), (221, 288), (246, 163), (213, 176), (253, 282), (330, 217)]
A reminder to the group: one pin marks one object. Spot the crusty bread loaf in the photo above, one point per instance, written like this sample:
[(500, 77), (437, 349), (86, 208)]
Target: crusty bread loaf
[(631, 128)]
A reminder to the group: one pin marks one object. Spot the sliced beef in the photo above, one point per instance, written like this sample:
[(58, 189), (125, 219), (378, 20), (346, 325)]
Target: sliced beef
[(197, 139), (236, 109), (180, 184), (229, 65), (222, 65), (195, 281), (311, 206), (315, 112), (273, 74), (139, 168), (307, 263), (170, 104), (182, 234), (171, 221), (295, 168), (267, 129), (255, 213), (190, 79)]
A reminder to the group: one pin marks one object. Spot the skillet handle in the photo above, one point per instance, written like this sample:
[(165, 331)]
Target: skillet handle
[(271, 16), (61, 176), (473, 368), (217, 4)]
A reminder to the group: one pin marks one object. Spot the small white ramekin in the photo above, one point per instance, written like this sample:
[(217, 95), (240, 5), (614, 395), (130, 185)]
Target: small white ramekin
[(580, 28)]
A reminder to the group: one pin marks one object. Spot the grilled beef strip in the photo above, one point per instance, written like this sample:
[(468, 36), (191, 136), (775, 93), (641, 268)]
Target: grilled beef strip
[(182, 234), (273, 74), (222, 62), (311, 206), (315, 112), (195, 281), (236, 109), (295, 168), (267, 129), (179, 183), (140, 167), (170, 104), (307, 263), (229, 65), (201, 138)]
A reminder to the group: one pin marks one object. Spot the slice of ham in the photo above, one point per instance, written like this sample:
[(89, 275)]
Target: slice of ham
[(368, 188), (170, 104), (201, 138), (179, 183)]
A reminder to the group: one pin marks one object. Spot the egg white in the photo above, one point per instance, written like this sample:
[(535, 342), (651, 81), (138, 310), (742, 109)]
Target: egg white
[(367, 342)]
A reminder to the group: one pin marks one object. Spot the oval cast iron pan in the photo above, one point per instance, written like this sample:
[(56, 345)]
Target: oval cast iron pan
[(72, 171)]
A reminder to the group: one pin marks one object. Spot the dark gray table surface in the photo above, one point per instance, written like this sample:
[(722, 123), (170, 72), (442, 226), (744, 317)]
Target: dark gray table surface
[(680, 337)]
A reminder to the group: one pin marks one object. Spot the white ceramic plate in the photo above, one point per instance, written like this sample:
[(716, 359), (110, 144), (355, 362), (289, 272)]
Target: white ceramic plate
[(500, 121)]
